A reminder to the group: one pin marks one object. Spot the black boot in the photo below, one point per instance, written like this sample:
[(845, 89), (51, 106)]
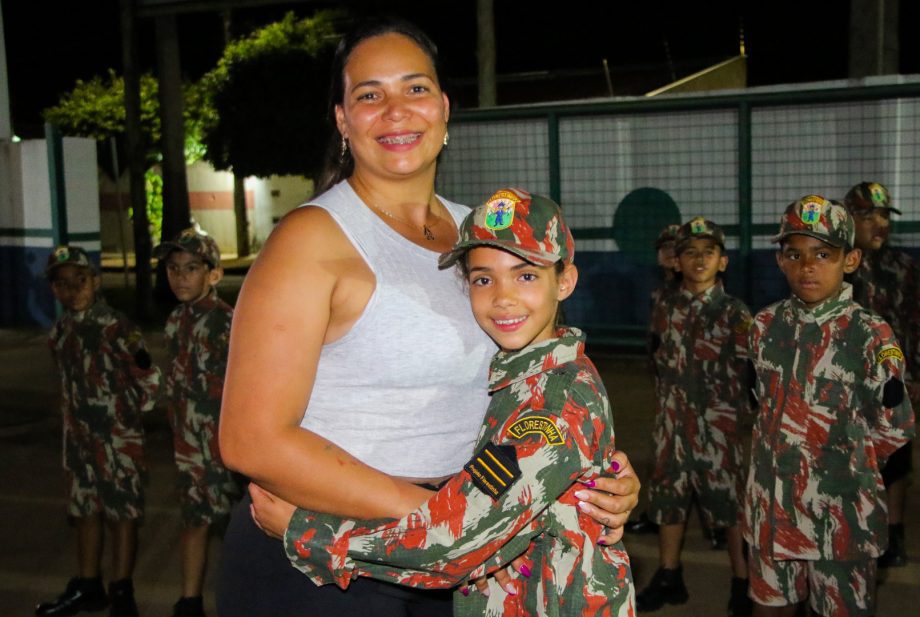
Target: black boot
[(189, 607), (82, 594), (896, 555), (739, 604), (121, 593), (666, 587), (642, 526)]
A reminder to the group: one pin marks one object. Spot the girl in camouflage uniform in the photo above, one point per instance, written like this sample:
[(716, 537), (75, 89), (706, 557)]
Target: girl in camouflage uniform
[(548, 432)]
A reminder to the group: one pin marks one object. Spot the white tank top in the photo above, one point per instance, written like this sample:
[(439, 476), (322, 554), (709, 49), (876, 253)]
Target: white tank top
[(404, 390)]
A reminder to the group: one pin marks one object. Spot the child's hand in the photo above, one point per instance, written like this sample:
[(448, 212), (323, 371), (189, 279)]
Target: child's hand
[(611, 499), (270, 513)]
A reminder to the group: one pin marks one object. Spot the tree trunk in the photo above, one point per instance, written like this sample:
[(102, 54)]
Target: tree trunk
[(874, 43), (136, 160), (485, 52), (239, 190)]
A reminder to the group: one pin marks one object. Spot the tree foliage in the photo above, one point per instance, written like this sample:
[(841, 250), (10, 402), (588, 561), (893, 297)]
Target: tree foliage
[(268, 99)]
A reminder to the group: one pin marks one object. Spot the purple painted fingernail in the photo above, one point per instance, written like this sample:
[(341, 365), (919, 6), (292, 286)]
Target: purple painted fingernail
[(615, 466), (602, 542), (588, 483), (465, 591), (524, 570)]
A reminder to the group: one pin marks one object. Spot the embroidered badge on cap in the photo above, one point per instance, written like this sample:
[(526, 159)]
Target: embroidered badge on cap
[(539, 426), (61, 254), (698, 225), (811, 210), (889, 351), (500, 210), (494, 469), (878, 194)]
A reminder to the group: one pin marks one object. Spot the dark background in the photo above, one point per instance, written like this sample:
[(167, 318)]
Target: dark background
[(52, 44)]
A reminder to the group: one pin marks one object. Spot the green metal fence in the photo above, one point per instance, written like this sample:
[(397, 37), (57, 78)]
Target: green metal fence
[(622, 169)]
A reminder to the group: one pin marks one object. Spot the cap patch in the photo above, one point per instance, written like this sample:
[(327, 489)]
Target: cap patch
[(500, 210), (61, 254), (539, 426), (811, 210), (698, 225), (877, 192), (494, 469), (889, 351)]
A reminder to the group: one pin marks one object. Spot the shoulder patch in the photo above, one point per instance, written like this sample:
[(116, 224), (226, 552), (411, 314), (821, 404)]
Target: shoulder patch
[(494, 469), (889, 351), (537, 425), (744, 325)]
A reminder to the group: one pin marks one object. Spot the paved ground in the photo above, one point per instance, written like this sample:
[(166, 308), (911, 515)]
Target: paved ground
[(37, 552)]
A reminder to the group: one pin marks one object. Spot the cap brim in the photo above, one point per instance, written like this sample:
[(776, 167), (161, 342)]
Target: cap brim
[(451, 257), (780, 237)]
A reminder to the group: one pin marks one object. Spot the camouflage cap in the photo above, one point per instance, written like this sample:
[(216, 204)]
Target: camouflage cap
[(530, 226), (192, 241), (668, 234), (867, 195), (819, 218), (66, 255), (699, 227)]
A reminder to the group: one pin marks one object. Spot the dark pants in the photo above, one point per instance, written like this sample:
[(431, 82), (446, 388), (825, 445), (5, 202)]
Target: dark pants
[(257, 580)]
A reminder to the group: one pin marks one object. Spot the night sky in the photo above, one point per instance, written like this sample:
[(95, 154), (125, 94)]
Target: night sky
[(50, 45)]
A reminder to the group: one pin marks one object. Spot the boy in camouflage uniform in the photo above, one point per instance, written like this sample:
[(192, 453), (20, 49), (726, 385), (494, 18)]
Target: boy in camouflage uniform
[(107, 382), (197, 338), (547, 433), (888, 283), (832, 408), (700, 365)]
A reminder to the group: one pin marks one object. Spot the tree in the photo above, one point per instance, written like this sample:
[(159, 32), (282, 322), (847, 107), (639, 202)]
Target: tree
[(268, 99), (96, 109)]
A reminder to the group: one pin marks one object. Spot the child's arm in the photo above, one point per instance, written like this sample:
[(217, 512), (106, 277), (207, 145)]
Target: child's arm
[(891, 422), (473, 517), (142, 374)]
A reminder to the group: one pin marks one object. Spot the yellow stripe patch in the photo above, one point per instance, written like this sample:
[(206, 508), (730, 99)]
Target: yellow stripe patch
[(889, 351)]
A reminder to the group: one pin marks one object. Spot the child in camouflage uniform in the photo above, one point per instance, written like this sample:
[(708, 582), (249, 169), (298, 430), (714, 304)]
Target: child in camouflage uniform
[(548, 432), (888, 283), (107, 382), (700, 365), (832, 408), (197, 338)]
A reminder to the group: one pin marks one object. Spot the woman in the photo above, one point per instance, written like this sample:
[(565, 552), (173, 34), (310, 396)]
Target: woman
[(345, 315)]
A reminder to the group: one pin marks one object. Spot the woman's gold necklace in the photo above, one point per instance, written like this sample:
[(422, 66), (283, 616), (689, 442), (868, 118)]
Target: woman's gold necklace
[(426, 230)]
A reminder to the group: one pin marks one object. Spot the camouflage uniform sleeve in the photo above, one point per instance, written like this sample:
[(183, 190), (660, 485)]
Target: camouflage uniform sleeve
[(211, 356), (891, 417), (741, 368), (461, 527), (143, 373)]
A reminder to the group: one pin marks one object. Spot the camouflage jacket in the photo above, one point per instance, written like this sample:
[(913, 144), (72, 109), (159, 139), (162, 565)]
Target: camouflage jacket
[(832, 408), (548, 426), (197, 338), (107, 381), (701, 368), (887, 282)]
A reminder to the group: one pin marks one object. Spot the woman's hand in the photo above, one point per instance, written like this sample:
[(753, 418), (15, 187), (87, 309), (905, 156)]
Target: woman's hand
[(610, 500), (270, 513)]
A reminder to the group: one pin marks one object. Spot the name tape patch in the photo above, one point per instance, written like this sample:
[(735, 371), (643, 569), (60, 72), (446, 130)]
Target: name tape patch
[(539, 426), (494, 469), (889, 351)]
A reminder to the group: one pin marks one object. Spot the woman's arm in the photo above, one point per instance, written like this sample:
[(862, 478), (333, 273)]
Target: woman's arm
[(307, 288)]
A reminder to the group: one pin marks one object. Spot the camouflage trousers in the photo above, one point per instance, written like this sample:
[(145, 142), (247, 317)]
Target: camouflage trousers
[(207, 489), (833, 588), (671, 492), (117, 498)]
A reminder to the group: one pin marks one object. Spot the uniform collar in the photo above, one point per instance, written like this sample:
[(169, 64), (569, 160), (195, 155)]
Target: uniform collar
[(510, 367), (829, 309), (96, 308), (204, 304), (713, 293)]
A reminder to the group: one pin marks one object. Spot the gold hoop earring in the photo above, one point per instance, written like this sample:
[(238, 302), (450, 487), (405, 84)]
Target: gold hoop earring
[(446, 138), (344, 148)]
